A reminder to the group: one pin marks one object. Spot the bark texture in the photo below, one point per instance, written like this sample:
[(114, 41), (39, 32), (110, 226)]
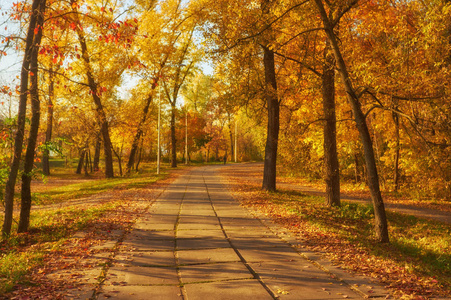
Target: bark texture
[(49, 129), (25, 207), (381, 226), (331, 167), (272, 138), (19, 136), (93, 86)]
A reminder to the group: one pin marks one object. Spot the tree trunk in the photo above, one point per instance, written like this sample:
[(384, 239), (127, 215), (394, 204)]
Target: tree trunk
[(81, 161), (119, 160), (97, 152), (272, 139), (86, 165), (25, 208), (140, 154), (272, 102), (48, 132), (139, 132), (381, 226), (173, 138), (232, 147), (397, 149), (357, 167), (331, 167), (101, 116), (37, 7)]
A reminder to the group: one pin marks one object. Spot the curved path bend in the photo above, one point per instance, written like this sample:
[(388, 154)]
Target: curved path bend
[(197, 242)]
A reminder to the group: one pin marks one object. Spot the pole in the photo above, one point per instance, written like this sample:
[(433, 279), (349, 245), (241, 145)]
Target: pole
[(186, 137), (236, 142), (159, 125)]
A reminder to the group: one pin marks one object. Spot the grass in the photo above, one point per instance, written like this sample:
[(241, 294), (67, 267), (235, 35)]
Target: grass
[(21, 253), (92, 187), (416, 262), (49, 228)]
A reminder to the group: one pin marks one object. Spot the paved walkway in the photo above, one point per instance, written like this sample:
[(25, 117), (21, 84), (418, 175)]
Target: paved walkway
[(196, 242)]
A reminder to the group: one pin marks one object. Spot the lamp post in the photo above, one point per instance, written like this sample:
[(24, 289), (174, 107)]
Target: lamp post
[(159, 124), (186, 136), (236, 140)]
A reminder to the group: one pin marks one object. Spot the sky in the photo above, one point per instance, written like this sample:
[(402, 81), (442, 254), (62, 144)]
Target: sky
[(11, 63)]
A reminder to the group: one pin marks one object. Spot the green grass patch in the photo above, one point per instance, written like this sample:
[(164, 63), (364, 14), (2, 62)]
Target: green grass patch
[(89, 187), (49, 228), (421, 246), (14, 266)]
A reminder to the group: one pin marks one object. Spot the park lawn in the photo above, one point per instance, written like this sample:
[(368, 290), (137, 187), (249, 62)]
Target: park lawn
[(415, 265), (52, 225)]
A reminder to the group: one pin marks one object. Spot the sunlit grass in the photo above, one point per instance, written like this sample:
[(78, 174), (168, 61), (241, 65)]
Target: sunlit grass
[(15, 265), (49, 228), (421, 245), (20, 253)]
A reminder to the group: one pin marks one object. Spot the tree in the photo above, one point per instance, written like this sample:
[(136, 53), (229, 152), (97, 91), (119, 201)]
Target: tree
[(32, 42), (381, 226), (95, 93), (331, 166), (25, 206)]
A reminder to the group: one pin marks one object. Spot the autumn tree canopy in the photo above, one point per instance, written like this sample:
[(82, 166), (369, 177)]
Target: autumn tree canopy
[(103, 70)]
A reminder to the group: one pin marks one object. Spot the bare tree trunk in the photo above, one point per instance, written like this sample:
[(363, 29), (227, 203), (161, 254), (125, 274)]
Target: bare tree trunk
[(173, 138), (272, 139), (381, 226), (25, 208), (332, 173)]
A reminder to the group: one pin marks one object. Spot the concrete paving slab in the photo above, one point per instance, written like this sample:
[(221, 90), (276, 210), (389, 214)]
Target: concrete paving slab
[(145, 259), (148, 245), (280, 254), (207, 256), (207, 234), (87, 276), (141, 276), (81, 292), (229, 290), (198, 226), (140, 293), (212, 243), (237, 212), (155, 226), (240, 222), (141, 234), (198, 213), (214, 272), (253, 233), (196, 220), (263, 243)]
